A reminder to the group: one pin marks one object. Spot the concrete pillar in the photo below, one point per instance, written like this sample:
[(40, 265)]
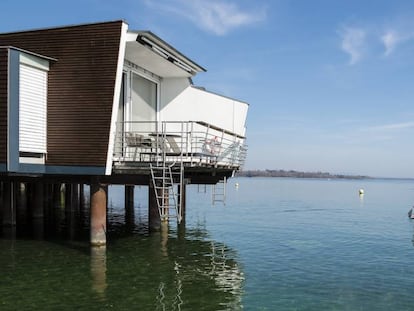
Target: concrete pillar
[(98, 213), (154, 220)]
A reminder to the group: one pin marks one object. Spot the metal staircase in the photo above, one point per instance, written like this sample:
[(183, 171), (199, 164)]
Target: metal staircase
[(165, 180), (218, 192)]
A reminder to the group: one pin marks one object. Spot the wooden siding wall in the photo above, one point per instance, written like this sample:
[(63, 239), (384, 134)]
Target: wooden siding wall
[(80, 88), (3, 104)]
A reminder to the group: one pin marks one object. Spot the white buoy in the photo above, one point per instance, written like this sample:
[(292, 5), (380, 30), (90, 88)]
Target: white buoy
[(237, 185), (361, 191)]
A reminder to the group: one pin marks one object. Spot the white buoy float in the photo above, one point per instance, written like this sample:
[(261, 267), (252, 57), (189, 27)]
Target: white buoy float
[(237, 185), (361, 191)]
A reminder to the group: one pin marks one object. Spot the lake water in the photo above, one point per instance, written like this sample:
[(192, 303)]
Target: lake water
[(277, 244)]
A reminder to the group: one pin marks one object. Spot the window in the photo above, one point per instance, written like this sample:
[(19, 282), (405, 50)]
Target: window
[(32, 112)]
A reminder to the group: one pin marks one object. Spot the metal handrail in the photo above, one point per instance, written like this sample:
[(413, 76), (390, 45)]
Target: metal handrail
[(190, 142)]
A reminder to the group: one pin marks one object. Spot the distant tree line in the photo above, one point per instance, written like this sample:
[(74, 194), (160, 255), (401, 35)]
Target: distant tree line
[(295, 174)]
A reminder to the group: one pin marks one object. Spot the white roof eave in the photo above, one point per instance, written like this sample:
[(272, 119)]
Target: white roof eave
[(150, 52)]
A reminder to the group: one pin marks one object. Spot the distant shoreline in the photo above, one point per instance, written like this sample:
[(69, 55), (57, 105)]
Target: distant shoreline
[(297, 174)]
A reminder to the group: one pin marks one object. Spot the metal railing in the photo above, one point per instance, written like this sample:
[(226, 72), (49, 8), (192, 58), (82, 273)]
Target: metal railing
[(192, 143)]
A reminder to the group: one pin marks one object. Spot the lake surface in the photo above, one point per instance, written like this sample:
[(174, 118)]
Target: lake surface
[(277, 244)]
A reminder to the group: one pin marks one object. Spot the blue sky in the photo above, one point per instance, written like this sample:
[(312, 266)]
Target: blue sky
[(329, 82)]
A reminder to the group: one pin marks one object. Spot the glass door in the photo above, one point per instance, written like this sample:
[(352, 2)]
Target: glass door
[(143, 105)]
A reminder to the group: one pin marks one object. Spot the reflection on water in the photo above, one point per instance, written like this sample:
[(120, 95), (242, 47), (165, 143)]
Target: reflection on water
[(98, 270), (361, 199), (177, 268), (284, 244)]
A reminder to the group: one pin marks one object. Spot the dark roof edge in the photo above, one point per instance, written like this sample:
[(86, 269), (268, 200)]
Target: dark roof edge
[(62, 27)]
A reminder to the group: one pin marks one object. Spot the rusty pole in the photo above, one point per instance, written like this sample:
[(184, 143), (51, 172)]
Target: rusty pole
[(98, 214)]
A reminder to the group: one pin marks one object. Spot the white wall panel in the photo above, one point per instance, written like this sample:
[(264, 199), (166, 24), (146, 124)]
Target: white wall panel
[(192, 104)]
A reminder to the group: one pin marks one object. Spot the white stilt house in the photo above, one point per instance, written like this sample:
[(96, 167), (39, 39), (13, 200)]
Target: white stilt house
[(115, 106)]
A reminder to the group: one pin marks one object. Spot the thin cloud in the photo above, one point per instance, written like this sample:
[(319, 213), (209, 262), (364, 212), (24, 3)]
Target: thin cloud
[(392, 127), (393, 38), (217, 17), (353, 41), (390, 39)]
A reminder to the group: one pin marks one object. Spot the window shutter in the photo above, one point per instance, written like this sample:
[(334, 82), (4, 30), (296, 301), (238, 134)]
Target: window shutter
[(33, 105)]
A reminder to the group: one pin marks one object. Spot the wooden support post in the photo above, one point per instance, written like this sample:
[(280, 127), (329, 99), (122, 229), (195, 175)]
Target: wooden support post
[(98, 214), (182, 192), (129, 196), (48, 204), (57, 195), (58, 207), (1, 203), (154, 219), (70, 209), (68, 197), (38, 200), (9, 204), (129, 207), (38, 210), (81, 195), (21, 204), (75, 196)]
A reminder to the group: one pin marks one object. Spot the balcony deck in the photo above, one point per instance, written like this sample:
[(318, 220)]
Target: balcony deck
[(195, 145)]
